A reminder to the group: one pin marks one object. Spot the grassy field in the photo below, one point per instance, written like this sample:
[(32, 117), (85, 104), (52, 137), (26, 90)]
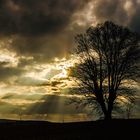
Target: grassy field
[(39, 130)]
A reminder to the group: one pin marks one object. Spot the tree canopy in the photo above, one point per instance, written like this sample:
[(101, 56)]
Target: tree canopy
[(108, 55)]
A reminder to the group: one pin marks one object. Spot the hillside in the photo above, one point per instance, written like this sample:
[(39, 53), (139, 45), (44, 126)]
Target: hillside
[(39, 130)]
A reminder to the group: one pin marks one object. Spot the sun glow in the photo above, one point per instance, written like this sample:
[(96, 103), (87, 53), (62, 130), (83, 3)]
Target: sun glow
[(63, 74), (63, 65)]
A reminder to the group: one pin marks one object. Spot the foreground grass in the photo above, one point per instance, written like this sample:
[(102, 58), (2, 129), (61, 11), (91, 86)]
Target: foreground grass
[(39, 130)]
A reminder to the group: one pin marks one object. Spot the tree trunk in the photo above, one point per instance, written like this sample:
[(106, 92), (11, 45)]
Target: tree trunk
[(112, 97), (108, 115), (107, 112), (104, 109)]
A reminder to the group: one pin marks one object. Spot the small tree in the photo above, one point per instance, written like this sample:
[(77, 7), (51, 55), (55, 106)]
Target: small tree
[(129, 107), (108, 54)]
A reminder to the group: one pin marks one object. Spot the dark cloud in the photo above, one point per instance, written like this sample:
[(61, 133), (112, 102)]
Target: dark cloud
[(30, 81), (36, 17), (41, 49), (44, 29), (36, 27), (135, 21), (55, 83), (3, 63), (123, 12), (7, 72), (110, 10), (23, 62)]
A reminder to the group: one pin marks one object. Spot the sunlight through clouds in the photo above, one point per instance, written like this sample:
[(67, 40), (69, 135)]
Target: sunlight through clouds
[(36, 41)]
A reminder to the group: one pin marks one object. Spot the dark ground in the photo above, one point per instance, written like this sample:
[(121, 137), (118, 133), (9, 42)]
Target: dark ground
[(39, 130)]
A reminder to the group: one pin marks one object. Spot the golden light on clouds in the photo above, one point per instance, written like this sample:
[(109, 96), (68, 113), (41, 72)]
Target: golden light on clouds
[(36, 41), (63, 65)]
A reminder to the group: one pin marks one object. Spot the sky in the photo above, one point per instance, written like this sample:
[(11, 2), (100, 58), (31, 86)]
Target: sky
[(36, 41)]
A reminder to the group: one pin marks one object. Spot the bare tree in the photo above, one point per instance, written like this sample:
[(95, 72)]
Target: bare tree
[(129, 108), (108, 54)]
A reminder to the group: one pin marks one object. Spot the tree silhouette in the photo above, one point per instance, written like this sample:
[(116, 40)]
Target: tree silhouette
[(108, 55), (129, 107)]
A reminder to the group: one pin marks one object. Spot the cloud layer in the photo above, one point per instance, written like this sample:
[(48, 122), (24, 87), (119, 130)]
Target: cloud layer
[(33, 33), (36, 17), (123, 12), (45, 29), (37, 31)]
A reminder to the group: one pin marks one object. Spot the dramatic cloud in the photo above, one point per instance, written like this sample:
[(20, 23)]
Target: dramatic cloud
[(135, 21), (36, 37), (123, 12), (44, 29), (6, 72), (36, 17), (27, 21)]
